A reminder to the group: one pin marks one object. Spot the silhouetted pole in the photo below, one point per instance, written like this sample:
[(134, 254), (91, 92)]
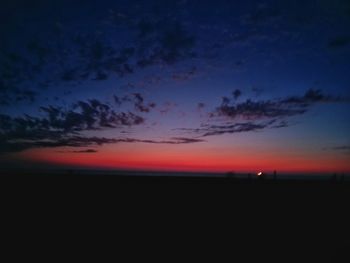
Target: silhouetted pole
[(274, 175)]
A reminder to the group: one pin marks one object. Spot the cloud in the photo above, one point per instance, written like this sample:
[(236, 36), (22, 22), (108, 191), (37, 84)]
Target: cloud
[(137, 100), (17, 145), (117, 100), (170, 43), (236, 94), (211, 130), (281, 124), (74, 55), (262, 15), (277, 108), (184, 140), (13, 145), (27, 94), (257, 91), (312, 96), (140, 105), (173, 140), (345, 149), (57, 126), (200, 105), (87, 115), (87, 151), (339, 42), (96, 59), (80, 151), (167, 107), (256, 115), (256, 110), (145, 28), (185, 75), (13, 71), (176, 43), (40, 52)]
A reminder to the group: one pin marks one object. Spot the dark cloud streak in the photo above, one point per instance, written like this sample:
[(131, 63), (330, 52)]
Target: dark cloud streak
[(258, 115), (339, 42), (79, 141), (70, 54), (277, 108), (58, 126), (212, 130)]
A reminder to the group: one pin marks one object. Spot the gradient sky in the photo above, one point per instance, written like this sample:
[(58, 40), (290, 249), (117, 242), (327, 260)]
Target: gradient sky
[(187, 85)]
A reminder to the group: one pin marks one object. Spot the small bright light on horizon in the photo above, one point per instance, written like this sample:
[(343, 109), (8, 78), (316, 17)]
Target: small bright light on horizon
[(259, 174)]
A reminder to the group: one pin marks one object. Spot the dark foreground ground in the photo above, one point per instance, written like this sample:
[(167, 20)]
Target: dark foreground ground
[(251, 188), (288, 216), (175, 177)]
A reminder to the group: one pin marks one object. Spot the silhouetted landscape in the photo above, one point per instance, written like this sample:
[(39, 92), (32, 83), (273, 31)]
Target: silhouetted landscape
[(181, 177)]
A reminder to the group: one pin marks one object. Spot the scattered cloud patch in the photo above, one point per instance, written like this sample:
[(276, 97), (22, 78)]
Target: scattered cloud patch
[(79, 141), (201, 105), (276, 108), (62, 126), (167, 107), (236, 94), (339, 42), (256, 115), (140, 105), (211, 130), (345, 149), (80, 151), (58, 126)]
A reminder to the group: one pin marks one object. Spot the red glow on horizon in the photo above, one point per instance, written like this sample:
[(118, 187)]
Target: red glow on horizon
[(188, 162)]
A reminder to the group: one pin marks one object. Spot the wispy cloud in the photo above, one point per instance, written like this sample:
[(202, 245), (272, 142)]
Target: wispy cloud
[(344, 149), (86, 115), (256, 115), (211, 130), (80, 151), (58, 126), (140, 104), (276, 108), (17, 145), (341, 148), (339, 42), (164, 41), (71, 54), (167, 107)]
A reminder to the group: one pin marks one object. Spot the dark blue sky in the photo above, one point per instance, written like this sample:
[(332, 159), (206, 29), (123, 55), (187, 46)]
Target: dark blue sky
[(185, 85)]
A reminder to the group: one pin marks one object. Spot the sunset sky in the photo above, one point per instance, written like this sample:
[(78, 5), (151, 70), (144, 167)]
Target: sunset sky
[(186, 85)]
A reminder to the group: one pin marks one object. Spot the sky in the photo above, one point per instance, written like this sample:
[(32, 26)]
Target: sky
[(186, 85)]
